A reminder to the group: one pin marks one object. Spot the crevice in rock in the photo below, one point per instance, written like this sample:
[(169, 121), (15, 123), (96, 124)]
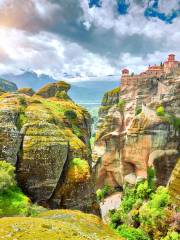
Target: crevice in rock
[(53, 204)]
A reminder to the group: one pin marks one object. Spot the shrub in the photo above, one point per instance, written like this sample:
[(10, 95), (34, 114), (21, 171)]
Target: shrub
[(130, 233), (7, 176), (62, 95), (12, 199), (70, 114), (160, 111), (171, 236), (138, 110), (104, 192), (77, 131), (121, 104), (13, 202), (22, 101), (79, 170), (152, 214)]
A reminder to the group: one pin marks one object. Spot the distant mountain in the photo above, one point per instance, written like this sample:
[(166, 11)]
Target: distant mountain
[(84, 91), (29, 79), (7, 85)]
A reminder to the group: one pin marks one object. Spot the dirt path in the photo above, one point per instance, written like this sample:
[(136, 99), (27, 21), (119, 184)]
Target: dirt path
[(109, 203)]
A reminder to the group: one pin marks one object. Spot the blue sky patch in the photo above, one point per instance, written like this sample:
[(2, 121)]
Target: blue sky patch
[(94, 3), (122, 6), (153, 11)]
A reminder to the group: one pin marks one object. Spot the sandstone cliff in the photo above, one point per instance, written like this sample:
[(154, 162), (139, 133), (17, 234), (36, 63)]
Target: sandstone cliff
[(41, 135), (139, 127)]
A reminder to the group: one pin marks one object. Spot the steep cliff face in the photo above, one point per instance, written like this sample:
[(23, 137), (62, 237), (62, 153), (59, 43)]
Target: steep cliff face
[(41, 136), (138, 128)]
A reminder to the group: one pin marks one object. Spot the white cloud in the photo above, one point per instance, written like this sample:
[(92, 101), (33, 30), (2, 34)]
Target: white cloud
[(167, 6), (49, 54)]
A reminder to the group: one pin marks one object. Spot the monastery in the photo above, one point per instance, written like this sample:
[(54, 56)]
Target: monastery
[(153, 71)]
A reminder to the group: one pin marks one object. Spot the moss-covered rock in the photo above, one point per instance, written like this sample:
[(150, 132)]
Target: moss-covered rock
[(61, 224), (27, 91), (51, 89), (41, 139), (174, 184)]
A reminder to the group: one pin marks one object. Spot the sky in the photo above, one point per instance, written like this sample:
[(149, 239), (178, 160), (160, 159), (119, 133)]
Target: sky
[(86, 38)]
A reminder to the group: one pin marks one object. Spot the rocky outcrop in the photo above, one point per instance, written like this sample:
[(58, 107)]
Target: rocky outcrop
[(40, 136), (27, 91), (51, 89), (7, 86), (132, 135), (174, 184), (56, 224)]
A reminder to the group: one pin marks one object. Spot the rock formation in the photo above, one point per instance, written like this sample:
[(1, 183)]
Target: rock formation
[(41, 135), (27, 91), (56, 224), (139, 127)]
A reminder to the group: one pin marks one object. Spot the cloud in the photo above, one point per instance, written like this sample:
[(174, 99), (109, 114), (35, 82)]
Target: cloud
[(83, 37), (31, 15), (47, 53)]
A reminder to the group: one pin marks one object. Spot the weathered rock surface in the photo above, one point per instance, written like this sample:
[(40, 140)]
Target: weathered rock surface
[(174, 184), (27, 91), (56, 224), (50, 89), (131, 136), (40, 139)]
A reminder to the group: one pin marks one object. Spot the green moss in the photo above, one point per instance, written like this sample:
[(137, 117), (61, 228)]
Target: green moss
[(56, 224), (121, 104), (78, 171)]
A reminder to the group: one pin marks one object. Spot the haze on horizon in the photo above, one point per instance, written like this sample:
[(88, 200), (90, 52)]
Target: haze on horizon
[(86, 38)]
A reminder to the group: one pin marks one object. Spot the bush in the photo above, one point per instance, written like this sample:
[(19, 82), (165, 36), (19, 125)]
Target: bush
[(13, 202), (7, 176), (153, 213), (79, 170), (12, 199), (62, 95), (172, 236), (160, 111), (70, 114), (22, 101), (138, 110), (121, 104), (130, 233), (104, 192)]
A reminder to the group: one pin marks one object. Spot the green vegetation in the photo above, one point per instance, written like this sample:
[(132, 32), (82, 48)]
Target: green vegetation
[(168, 117), (22, 119), (56, 225), (78, 171), (22, 101), (160, 111), (104, 192), (62, 95), (121, 104), (138, 110), (70, 114), (131, 233), (12, 200), (145, 213)]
